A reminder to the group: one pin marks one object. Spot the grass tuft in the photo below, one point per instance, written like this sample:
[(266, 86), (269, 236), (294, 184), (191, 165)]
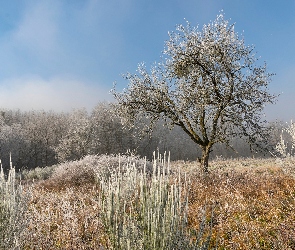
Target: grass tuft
[(13, 204), (142, 211)]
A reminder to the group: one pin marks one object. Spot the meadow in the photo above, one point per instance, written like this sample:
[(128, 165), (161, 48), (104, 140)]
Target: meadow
[(126, 202)]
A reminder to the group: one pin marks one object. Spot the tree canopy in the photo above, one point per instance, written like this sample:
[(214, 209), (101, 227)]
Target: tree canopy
[(208, 83)]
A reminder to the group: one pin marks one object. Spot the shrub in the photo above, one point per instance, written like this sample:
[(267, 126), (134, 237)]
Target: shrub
[(143, 211), (37, 173), (81, 172)]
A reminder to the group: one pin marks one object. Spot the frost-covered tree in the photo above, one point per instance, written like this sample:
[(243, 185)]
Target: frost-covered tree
[(107, 133), (76, 141), (13, 142), (209, 84), (43, 130), (285, 146), (31, 137)]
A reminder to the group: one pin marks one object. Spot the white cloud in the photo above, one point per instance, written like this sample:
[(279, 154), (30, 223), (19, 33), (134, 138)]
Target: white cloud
[(58, 94)]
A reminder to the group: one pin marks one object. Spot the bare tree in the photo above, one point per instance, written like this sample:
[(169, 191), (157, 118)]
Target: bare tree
[(208, 84)]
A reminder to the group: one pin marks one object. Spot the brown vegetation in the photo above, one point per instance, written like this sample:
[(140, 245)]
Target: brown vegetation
[(252, 203)]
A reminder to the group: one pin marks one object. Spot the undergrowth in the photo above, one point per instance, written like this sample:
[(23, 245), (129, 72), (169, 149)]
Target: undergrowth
[(112, 202)]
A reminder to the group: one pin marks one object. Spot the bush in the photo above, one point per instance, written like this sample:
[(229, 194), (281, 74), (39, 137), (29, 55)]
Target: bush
[(143, 211), (81, 172), (37, 173)]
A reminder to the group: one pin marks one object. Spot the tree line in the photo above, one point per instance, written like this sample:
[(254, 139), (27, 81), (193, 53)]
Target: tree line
[(45, 138)]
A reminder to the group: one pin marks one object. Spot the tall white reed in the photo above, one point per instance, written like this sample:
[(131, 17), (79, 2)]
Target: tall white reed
[(146, 212), (12, 209)]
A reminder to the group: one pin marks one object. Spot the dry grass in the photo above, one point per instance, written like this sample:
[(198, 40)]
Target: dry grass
[(252, 200), (253, 203), (64, 219)]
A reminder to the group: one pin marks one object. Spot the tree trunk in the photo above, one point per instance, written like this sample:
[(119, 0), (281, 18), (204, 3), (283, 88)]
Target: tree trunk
[(205, 158)]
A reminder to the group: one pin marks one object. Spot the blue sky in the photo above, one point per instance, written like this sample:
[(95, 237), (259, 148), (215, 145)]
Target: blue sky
[(66, 54)]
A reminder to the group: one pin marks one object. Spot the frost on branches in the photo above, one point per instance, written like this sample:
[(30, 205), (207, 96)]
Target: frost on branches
[(284, 148), (208, 84)]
